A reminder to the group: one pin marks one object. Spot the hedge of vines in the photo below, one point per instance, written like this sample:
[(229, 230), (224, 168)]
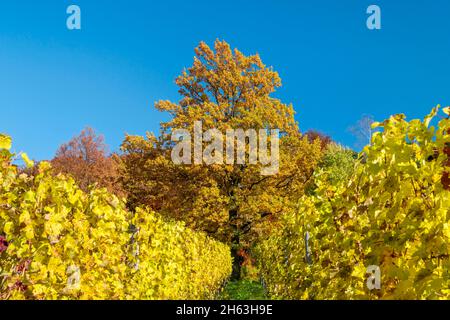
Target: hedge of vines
[(58, 242), (394, 213)]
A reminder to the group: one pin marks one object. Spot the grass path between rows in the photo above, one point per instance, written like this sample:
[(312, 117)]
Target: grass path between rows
[(243, 290)]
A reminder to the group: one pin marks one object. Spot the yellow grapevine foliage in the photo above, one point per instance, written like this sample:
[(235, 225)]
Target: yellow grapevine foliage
[(174, 262), (393, 213), (57, 242)]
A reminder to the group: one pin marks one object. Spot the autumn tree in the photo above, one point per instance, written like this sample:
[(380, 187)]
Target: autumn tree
[(236, 203), (324, 139), (338, 162), (86, 159)]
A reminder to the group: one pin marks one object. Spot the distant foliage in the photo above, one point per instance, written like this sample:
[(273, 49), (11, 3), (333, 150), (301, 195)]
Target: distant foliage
[(337, 163), (85, 158), (59, 242), (394, 212), (313, 135)]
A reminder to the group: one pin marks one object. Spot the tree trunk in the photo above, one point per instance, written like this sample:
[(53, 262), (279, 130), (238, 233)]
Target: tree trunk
[(237, 261), (235, 247)]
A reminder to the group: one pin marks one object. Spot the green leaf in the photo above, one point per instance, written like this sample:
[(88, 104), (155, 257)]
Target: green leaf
[(432, 114), (8, 227), (29, 163), (375, 125), (5, 142)]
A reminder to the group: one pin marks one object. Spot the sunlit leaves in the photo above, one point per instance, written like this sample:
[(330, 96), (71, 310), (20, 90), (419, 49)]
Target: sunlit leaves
[(58, 242), (29, 163), (393, 212), (5, 142), (446, 110)]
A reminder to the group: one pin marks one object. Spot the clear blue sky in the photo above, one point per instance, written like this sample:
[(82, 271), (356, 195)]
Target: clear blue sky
[(54, 82)]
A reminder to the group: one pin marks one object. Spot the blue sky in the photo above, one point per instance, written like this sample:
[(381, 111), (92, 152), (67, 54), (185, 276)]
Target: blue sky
[(54, 82)]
